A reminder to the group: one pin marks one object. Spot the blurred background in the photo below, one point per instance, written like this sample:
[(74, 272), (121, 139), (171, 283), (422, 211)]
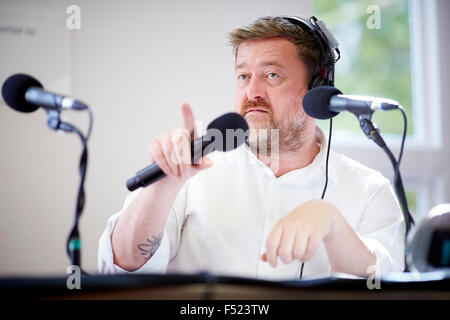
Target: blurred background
[(135, 62)]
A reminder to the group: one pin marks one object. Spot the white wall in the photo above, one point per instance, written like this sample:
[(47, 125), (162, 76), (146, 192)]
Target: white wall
[(134, 63)]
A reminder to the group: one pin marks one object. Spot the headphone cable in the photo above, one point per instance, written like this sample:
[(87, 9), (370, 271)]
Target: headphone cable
[(326, 179)]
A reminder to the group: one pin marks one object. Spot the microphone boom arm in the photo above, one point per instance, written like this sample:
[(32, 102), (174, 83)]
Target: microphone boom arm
[(373, 133)]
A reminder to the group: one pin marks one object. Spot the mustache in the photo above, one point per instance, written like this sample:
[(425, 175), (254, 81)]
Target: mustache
[(256, 104)]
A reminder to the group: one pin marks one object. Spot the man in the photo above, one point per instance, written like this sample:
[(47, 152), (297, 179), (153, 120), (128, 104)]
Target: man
[(255, 212)]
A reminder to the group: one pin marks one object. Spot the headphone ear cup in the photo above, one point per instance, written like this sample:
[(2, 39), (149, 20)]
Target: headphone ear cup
[(316, 82)]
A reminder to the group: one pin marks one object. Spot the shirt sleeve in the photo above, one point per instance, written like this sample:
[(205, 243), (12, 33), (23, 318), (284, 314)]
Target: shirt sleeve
[(382, 228), (166, 250)]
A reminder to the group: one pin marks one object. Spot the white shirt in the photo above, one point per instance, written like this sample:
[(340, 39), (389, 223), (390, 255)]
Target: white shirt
[(222, 217)]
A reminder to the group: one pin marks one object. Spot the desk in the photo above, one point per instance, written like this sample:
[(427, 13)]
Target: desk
[(434, 286)]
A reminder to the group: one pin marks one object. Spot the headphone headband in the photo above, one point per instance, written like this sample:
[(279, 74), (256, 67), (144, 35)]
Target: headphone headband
[(327, 42)]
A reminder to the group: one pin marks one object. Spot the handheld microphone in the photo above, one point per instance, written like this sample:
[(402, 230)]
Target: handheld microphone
[(326, 102), (26, 94), (220, 136)]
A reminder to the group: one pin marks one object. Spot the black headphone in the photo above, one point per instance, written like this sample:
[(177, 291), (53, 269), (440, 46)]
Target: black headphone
[(327, 43)]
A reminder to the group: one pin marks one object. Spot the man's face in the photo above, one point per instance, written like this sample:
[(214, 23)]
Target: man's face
[(270, 87)]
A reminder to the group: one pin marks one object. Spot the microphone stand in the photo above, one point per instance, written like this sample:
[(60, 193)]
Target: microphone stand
[(373, 133), (73, 245)]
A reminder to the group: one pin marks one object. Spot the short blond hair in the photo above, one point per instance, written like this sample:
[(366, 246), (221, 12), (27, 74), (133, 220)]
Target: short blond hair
[(308, 47)]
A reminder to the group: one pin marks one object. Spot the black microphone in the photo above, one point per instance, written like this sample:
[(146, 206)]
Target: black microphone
[(26, 94), (326, 102), (225, 133)]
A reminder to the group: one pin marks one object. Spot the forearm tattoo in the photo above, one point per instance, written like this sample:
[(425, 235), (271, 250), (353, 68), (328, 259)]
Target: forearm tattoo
[(149, 248)]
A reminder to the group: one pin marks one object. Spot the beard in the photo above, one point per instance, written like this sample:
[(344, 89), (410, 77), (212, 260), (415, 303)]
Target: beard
[(269, 135)]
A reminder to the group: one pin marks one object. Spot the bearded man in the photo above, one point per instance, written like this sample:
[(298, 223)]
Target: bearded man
[(256, 211)]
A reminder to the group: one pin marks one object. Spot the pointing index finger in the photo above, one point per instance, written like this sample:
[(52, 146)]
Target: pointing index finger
[(188, 118)]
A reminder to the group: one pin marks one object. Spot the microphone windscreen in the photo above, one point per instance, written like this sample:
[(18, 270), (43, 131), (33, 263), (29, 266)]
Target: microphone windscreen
[(14, 89), (233, 130), (316, 102)]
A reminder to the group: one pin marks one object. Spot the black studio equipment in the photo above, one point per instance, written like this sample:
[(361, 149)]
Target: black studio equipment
[(215, 139), (429, 244), (327, 101), (25, 94)]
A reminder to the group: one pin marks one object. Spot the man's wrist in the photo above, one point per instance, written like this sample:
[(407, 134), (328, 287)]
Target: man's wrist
[(337, 223)]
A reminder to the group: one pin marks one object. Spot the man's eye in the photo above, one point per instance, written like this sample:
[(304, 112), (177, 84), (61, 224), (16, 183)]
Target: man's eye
[(272, 75), (242, 77)]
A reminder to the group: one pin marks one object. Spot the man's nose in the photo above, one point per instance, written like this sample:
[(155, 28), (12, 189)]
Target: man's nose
[(255, 89)]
